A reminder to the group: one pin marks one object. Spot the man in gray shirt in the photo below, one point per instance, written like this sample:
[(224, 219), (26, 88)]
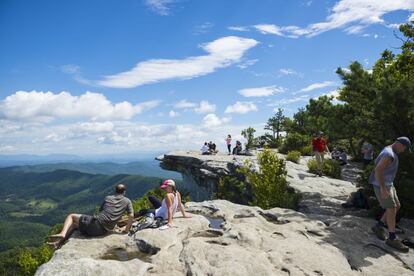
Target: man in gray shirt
[(382, 179), (110, 212)]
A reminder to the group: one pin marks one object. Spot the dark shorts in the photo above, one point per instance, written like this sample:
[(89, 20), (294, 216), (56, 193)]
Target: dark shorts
[(90, 226)]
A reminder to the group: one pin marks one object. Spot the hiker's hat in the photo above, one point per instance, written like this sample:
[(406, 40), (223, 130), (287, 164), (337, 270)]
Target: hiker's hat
[(166, 183), (405, 141)]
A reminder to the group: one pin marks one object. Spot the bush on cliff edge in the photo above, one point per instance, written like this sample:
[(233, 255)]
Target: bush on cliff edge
[(268, 183)]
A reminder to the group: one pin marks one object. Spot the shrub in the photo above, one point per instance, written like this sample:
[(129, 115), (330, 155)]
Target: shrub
[(269, 185), (329, 167), (234, 190), (293, 156), (306, 150), (295, 141)]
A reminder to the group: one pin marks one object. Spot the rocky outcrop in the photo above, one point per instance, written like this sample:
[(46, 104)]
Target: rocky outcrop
[(222, 238), (249, 241)]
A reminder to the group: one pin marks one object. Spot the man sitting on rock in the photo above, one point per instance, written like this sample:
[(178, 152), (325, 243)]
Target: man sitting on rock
[(110, 212)]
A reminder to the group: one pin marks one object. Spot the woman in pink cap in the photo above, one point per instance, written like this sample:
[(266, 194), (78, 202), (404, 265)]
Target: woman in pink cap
[(167, 208)]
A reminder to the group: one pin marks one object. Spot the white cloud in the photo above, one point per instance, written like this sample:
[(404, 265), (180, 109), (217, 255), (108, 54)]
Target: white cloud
[(285, 101), (317, 85), (411, 18), (212, 120), (159, 6), (238, 28), (222, 52), (287, 71), (173, 114), (241, 107), (261, 91), (205, 107), (203, 28), (184, 104), (202, 107), (268, 29), (354, 15), (46, 106), (93, 127), (247, 63)]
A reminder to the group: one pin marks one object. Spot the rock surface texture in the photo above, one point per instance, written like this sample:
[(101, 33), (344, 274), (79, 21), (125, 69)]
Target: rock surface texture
[(320, 239)]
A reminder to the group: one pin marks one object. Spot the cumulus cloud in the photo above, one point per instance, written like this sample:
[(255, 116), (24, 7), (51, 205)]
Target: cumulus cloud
[(353, 15), (162, 7), (221, 53), (184, 104), (241, 108), (212, 120), (173, 114), (317, 85), (46, 106), (261, 91), (202, 107), (205, 107)]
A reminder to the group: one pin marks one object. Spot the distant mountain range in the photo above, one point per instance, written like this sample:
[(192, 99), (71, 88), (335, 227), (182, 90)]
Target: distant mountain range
[(144, 168)]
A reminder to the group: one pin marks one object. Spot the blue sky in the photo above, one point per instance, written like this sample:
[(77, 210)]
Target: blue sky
[(106, 77)]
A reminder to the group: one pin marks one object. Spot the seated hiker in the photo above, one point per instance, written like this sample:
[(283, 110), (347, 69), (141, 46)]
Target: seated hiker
[(205, 150), (110, 212), (238, 148), (213, 149), (335, 154), (169, 205), (342, 157)]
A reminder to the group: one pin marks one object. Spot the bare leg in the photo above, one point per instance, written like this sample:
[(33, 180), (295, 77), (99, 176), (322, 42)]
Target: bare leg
[(391, 214), (71, 223)]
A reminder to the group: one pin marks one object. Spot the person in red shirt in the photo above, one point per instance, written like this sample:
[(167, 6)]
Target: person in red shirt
[(319, 148)]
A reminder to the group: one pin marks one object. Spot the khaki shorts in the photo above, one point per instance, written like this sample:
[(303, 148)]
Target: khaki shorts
[(391, 202), (319, 156)]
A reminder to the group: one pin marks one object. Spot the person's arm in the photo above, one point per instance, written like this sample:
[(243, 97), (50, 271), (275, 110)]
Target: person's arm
[(181, 206), (379, 175), (169, 202), (130, 211)]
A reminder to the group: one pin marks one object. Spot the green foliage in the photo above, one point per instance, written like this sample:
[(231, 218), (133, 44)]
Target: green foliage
[(234, 190), (248, 134), (269, 186), (306, 150), (143, 203), (293, 156), (276, 123), (329, 167), (295, 141)]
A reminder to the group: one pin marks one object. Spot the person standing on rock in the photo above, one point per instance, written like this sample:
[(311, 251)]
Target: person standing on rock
[(382, 178), (228, 142), (319, 148), (110, 212), (368, 152)]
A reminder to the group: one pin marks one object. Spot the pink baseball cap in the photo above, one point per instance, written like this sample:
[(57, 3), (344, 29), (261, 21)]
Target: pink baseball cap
[(168, 182)]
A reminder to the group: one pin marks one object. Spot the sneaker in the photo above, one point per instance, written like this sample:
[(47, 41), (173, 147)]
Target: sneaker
[(397, 244), (380, 232)]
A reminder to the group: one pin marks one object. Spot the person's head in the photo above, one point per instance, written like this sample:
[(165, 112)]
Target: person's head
[(205, 143), (402, 144), (320, 133), (120, 189), (229, 136), (168, 186)]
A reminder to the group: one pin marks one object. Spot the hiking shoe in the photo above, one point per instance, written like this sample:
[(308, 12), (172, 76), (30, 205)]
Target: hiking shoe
[(380, 232), (397, 244)]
